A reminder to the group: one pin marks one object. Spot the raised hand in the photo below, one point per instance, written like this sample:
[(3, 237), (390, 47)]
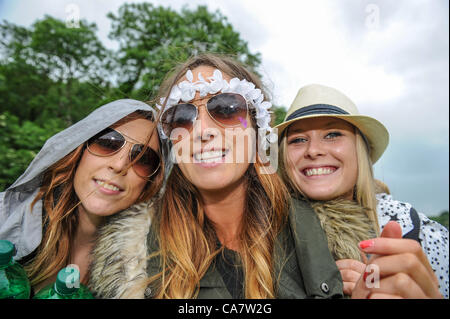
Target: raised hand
[(399, 266)]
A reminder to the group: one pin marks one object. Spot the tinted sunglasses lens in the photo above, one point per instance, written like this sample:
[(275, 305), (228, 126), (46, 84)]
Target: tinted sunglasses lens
[(228, 108), (178, 116), (106, 143), (148, 163)]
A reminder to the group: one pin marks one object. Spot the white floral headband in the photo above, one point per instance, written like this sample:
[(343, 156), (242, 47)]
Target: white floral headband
[(186, 90)]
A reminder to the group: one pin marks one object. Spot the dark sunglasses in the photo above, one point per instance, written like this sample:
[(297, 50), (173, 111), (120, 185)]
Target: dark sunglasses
[(109, 141), (227, 109)]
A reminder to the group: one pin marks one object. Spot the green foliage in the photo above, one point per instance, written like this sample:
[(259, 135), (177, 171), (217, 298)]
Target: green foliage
[(442, 219), (154, 39), (279, 113), (52, 75), (51, 71), (19, 143), (59, 52)]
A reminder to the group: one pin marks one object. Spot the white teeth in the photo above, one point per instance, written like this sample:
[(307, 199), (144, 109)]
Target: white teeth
[(319, 171), (209, 156), (107, 186)]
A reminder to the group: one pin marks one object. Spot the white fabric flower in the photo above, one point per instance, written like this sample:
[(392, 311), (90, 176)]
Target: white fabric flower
[(185, 91)]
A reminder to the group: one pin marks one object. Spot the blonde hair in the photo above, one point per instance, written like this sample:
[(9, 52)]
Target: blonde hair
[(185, 235), (365, 188), (381, 187)]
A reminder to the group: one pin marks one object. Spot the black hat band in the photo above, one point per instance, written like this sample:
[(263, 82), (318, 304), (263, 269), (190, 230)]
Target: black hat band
[(316, 109)]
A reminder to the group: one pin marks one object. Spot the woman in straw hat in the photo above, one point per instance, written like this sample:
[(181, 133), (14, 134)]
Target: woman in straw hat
[(327, 150)]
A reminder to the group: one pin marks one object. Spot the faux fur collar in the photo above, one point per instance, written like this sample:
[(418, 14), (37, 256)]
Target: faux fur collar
[(119, 256), (345, 225)]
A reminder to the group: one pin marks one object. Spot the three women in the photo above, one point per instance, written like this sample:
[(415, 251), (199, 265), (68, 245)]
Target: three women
[(226, 227)]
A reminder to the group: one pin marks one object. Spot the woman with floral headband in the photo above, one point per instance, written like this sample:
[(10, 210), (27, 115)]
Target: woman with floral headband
[(97, 167), (225, 226), (327, 150)]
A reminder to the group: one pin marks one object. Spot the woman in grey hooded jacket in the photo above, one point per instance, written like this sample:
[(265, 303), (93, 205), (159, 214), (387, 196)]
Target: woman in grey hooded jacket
[(97, 167)]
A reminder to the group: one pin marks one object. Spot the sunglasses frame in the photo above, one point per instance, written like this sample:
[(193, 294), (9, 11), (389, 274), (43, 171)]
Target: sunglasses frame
[(132, 141), (207, 111)]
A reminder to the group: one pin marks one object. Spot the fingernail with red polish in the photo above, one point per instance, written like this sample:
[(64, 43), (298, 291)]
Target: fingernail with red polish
[(365, 276), (366, 243)]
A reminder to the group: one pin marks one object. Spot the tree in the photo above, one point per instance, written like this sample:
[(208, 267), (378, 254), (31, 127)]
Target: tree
[(44, 69), (19, 144), (442, 218), (23, 90), (52, 75), (279, 114), (153, 39)]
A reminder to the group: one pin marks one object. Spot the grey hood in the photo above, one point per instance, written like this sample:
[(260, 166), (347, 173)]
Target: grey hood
[(18, 223)]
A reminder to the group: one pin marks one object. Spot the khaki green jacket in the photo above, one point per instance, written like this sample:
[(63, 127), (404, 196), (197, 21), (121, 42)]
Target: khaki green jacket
[(304, 267)]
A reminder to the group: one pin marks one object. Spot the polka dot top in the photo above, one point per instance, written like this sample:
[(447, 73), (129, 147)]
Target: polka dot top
[(431, 235)]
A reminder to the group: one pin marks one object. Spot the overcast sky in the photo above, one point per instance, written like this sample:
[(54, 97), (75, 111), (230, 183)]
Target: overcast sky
[(390, 57)]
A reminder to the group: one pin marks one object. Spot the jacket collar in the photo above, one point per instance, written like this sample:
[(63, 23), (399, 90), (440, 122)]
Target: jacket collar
[(319, 271)]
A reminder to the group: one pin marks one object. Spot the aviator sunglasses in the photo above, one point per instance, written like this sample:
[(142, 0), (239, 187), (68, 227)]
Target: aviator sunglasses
[(227, 109), (110, 141)]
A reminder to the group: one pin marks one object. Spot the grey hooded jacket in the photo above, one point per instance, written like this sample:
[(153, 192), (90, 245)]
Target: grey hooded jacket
[(18, 223)]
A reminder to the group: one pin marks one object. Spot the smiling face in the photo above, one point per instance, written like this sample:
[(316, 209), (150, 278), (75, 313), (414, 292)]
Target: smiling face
[(321, 157), (97, 182), (211, 156)]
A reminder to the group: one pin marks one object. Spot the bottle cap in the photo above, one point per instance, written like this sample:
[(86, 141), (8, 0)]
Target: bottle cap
[(67, 281), (6, 252)]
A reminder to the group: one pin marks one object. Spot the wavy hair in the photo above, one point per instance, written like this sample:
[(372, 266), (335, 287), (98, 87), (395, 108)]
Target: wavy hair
[(186, 237), (60, 214)]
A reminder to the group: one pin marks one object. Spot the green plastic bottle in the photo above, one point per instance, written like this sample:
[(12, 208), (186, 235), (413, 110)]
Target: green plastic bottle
[(14, 283), (66, 286)]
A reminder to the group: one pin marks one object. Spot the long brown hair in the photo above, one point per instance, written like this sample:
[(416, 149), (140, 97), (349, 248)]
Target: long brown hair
[(186, 237), (60, 214)]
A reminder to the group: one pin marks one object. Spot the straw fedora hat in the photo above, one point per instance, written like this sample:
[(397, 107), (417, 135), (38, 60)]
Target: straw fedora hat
[(316, 100)]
